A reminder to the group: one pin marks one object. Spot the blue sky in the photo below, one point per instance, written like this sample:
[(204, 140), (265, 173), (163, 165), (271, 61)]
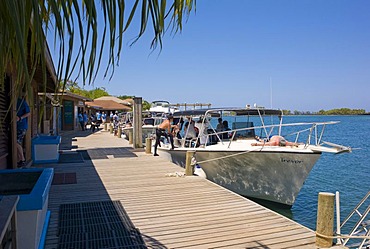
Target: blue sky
[(302, 55)]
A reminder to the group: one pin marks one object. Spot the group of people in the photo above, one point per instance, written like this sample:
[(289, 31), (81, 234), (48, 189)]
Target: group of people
[(82, 119), (95, 119), (223, 127), (23, 112), (192, 130)]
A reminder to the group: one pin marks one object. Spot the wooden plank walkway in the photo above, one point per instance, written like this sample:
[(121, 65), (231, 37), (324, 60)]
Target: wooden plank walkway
[(170, 212)]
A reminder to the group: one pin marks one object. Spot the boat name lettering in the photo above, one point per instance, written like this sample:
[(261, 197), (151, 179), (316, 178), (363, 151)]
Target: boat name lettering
[(295, 161)]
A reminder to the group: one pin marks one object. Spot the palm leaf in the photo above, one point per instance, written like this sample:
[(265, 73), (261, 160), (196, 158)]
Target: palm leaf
[(74, 25)]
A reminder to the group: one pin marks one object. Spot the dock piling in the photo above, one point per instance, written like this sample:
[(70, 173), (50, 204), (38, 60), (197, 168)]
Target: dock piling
[(189, 168), (138, 123), (148, 145), (325, 220)]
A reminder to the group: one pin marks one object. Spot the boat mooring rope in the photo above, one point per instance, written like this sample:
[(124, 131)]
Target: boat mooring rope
[(343, 236)]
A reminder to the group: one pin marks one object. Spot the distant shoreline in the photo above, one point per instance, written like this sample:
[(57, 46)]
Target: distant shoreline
[(318, 114)]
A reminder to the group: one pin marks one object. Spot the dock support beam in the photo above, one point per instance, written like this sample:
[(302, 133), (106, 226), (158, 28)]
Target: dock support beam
[(325, 220), (189, 168)]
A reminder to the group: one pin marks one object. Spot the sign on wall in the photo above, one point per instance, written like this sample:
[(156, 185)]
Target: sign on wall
[(68, 112)]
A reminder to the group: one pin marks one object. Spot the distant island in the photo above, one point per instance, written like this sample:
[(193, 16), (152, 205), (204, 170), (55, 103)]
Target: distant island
[(341, 111)]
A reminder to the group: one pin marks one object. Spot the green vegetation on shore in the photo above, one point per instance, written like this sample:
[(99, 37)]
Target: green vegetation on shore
[(98, 92), (340, 111)]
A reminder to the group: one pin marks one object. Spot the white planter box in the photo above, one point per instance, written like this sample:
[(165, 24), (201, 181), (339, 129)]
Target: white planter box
[(45, 149)]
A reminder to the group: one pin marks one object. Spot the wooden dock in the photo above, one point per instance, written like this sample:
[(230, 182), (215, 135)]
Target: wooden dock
[(170, 212)]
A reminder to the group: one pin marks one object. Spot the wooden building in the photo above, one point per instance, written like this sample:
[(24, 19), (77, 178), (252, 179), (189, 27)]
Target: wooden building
[(8, 112)]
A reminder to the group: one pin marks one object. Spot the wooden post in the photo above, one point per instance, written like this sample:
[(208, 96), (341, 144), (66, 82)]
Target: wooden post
[(325, 219), (130, 136), (148, 145), (189, 169), (138, 123), (111, 129), (13, 125), (119, 133), (105, 126)]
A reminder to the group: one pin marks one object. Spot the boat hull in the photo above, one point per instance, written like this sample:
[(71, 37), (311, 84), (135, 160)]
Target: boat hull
[(273, 176)]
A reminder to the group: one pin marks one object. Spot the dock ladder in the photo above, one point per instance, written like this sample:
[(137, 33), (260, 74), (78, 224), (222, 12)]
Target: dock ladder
[(361, 230)]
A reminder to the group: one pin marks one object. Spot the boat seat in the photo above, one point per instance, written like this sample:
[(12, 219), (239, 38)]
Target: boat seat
[(149, 121), (212, 137), (191, 142), (243, 133)]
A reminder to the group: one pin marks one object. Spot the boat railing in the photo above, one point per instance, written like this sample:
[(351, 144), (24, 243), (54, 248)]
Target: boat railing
[(314, 135), (361, 230)]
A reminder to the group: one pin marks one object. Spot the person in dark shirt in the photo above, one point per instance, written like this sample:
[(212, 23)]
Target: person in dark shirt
[(23, 112)]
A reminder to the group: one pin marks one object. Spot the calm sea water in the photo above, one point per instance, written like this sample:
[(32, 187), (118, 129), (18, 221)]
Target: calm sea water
[(348, 173)]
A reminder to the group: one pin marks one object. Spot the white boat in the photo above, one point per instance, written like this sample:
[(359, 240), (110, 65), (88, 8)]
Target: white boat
[(161, 106), (158, 111), (232, 160)]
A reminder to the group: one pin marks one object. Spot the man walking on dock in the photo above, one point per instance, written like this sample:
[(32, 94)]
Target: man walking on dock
[(164, 129)]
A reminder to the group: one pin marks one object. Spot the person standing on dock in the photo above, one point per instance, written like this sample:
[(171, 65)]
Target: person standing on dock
[(86, 118), (116, 123), (164, 129), (111, 117), (23, 112), (81, 121), (104, 117)]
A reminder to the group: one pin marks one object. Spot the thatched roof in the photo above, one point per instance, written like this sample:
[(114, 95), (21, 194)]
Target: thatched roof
[(107, 105), (115, 99), (131, 101)]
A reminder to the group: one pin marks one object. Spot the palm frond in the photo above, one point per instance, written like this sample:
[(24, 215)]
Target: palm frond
[(81, 43)]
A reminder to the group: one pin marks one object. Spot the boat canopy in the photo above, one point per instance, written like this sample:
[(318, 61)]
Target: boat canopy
[(216, 112)]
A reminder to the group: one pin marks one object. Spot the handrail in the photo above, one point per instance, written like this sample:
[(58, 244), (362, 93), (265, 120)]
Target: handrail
[(311, 130), (359, 222)]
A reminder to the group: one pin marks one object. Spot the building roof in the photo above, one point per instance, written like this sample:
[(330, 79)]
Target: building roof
[(115, 99), (56, 100), (75, 96), (107, 105), (51, 77)]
